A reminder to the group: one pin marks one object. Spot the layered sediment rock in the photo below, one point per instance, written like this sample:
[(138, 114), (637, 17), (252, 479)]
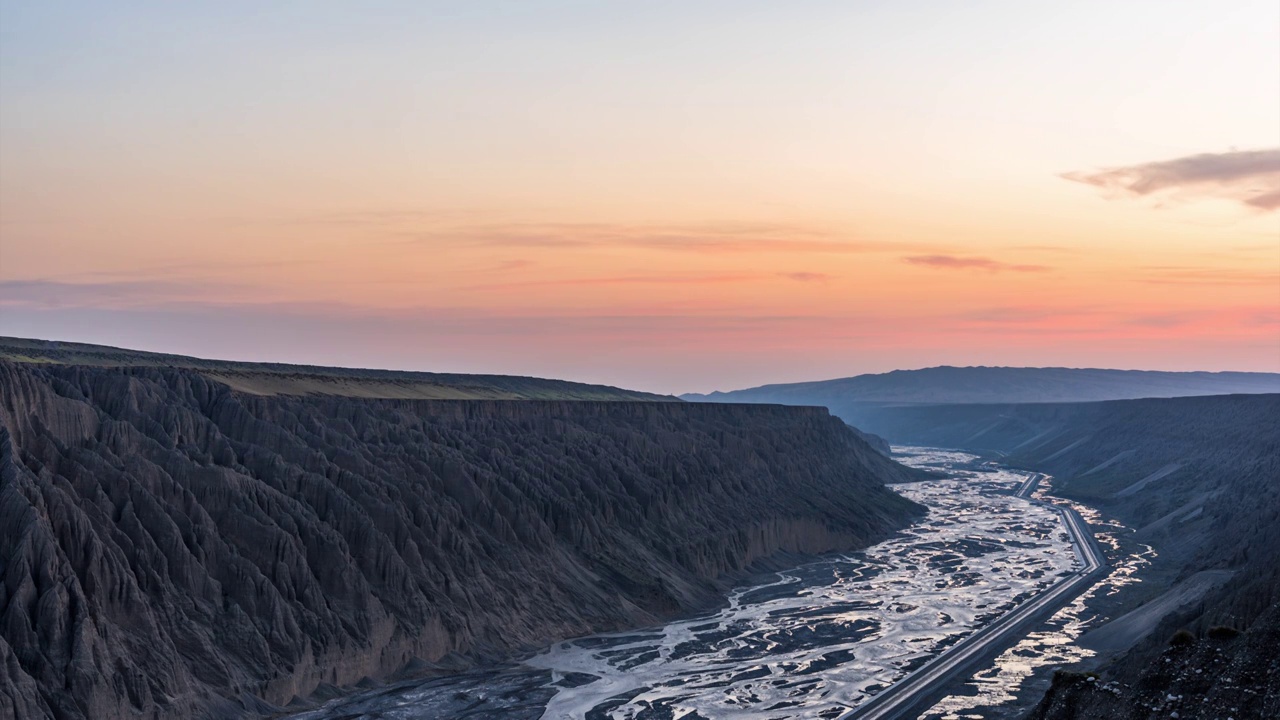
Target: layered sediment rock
[(172, 547)]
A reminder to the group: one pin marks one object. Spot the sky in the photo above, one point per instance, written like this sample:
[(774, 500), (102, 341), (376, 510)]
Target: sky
[(668, 196)]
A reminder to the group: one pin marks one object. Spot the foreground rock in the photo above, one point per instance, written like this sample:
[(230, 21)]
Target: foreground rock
[(171, 547), (1223, 674)]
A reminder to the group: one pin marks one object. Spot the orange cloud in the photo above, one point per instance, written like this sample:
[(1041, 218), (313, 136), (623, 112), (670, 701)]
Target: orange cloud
[(806, 276), (952, 262), (1209, 276), (626, 280), (725, 238)]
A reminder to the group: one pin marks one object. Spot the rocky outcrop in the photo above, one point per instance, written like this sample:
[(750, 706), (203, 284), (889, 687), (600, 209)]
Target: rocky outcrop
[(172, 547), (876, 442), (1222, 674)]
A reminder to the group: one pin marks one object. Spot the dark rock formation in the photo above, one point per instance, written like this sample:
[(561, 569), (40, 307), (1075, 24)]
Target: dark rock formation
[(876, 442), (1221, 675), (170, 547)]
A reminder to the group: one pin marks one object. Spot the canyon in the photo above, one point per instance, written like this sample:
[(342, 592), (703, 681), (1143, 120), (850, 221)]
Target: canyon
[(174, 546)]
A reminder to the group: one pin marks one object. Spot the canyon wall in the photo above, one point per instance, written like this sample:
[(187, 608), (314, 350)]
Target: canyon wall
[(170, 546)]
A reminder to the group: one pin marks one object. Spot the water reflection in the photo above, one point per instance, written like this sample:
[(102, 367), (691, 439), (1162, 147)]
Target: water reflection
[(1054, 645)]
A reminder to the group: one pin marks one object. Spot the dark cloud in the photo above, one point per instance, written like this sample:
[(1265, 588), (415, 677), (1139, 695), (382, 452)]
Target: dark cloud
[(953, 262), (1251, 177), (1266, 201)]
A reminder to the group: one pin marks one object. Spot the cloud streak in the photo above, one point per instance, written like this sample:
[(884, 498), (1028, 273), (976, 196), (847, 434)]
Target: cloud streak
[(132, 293), (701, 279), (1162, 275), (954, 262), (806, 277), (1251, 177), (709, 239), (624, 280)]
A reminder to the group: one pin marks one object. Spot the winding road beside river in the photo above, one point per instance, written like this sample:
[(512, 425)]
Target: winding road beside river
[(911, 695)]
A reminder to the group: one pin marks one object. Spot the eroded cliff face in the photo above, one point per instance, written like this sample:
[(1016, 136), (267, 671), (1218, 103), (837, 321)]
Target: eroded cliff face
[(170, 547)]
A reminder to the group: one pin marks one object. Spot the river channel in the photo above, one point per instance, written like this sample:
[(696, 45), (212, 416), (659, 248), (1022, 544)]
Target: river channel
[(811, 642)]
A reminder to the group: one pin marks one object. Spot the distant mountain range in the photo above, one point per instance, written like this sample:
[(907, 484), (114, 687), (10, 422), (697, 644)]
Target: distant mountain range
[(1001, 384), (860, 400)]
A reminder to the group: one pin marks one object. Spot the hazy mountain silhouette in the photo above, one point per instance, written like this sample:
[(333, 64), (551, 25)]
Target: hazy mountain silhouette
[(998, 384)]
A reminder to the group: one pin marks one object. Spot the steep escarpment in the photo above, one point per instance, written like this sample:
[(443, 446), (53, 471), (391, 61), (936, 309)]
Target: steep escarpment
[(172, 547), (876, 442)]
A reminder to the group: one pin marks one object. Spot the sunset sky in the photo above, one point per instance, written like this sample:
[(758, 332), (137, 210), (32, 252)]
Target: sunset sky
[(669, 196)]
